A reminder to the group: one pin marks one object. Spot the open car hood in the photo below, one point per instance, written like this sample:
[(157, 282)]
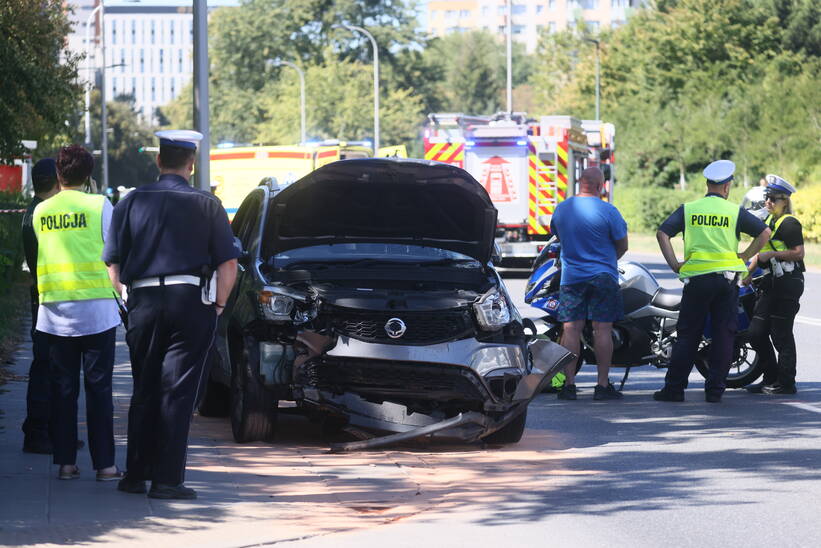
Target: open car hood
[(383, 200)]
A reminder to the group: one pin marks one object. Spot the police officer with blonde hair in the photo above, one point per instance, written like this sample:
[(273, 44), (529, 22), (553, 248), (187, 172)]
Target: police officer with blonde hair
[(782, 287), (710, 271)]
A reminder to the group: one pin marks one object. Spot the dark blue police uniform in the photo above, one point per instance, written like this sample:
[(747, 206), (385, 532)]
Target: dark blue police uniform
[(706, 295), (38, 409), (161, 230)]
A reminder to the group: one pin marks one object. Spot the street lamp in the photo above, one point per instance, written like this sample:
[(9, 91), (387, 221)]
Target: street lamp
[(597, 75), (509, 44), (278, 62), (370, 37), (88, 73)]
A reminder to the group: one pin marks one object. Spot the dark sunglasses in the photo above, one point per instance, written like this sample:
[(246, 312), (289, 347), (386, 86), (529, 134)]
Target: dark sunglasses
[(774, 198)]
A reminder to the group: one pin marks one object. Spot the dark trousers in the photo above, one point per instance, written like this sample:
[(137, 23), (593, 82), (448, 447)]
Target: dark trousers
[(713, 295), (773, 319), (95, 355), (35, 426), (169, 336)]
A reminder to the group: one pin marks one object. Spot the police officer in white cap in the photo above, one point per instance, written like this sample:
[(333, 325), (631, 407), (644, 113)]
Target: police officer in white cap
[(165, 241), (782, 287), (712, 227)]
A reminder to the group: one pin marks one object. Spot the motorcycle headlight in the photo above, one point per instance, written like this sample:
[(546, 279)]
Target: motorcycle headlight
[(492, 310), (275, 307)]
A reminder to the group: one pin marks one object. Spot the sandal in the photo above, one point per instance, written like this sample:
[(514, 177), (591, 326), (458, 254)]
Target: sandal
[(68, 472)]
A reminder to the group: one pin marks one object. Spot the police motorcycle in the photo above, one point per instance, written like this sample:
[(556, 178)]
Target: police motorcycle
[(647, 333)]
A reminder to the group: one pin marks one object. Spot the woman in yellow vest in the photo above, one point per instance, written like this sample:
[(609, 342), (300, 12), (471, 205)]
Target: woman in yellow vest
[(77, 313), (777, 306)]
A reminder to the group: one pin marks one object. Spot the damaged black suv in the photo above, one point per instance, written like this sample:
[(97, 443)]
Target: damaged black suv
[(366, 295)]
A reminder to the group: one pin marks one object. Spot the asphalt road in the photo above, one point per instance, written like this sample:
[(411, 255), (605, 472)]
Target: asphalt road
[(638, 472)]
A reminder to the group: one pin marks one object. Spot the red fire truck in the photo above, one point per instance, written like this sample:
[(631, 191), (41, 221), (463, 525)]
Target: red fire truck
[(527, 166)]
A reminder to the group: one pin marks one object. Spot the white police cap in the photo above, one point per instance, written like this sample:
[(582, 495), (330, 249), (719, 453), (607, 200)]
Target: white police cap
[(180, 138), (777, 184), (719, 172)]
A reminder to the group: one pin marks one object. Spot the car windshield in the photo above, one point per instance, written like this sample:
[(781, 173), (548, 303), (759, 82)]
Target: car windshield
[(372, 253)]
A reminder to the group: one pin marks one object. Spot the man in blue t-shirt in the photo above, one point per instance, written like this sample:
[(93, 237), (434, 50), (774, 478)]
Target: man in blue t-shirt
[(593, 236)]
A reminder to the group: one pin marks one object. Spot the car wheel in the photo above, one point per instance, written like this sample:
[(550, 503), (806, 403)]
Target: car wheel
[(253, 408), (511, 432)]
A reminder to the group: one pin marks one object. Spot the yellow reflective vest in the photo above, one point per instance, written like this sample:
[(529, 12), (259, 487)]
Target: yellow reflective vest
[(69, 229), (777, 245), (710, 241)]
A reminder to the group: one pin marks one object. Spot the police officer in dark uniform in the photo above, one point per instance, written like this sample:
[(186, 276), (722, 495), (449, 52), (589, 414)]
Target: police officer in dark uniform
[(711, 269), (166, 239), (35, 427)]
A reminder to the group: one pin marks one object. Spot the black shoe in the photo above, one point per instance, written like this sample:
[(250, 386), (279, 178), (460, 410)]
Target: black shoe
[(668, 395), (40, 447), (712, 397), (756, 388), (779, 389), (163, 491), (128, 485), (568, 392), (608, 392)]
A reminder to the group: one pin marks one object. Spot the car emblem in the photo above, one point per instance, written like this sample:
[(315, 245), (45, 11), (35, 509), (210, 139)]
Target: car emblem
[(395, 328)]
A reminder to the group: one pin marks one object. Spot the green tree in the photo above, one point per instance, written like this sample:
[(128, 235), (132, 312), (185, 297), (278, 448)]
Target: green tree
[(39, 89)]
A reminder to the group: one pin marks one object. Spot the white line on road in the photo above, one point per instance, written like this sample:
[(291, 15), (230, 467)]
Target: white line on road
[(804, 406)]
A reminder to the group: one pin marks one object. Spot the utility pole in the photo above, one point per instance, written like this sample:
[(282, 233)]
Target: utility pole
[(510, 57), (201, 120), (104, 110)]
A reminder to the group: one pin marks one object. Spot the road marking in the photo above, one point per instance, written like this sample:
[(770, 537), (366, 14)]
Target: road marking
[(807, 320), (804, 406)]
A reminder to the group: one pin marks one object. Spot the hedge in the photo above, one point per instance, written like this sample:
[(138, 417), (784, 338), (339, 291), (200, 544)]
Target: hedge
[(11, 244)]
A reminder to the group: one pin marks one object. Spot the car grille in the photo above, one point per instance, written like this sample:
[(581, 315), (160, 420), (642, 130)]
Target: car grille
[(428, 327)]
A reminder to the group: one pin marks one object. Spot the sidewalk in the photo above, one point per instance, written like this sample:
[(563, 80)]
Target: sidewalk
[(248, 494)]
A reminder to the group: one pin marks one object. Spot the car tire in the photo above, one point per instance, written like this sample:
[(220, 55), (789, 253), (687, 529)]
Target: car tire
[(512, 432), (253, 408)]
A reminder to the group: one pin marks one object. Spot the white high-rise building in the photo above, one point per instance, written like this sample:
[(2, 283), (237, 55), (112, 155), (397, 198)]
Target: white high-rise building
[(529, 17), (148, 48)]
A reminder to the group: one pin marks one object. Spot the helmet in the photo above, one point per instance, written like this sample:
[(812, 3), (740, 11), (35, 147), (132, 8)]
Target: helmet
[(754, 202)]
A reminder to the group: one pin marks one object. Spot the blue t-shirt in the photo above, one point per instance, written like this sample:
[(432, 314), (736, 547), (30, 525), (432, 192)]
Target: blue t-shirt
[(588, 229)]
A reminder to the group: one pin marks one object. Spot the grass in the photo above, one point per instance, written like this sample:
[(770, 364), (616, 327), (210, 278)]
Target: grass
[(646, 243)]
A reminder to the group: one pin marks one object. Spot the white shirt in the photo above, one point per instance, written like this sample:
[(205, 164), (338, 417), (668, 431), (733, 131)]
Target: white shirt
[(80, 318)]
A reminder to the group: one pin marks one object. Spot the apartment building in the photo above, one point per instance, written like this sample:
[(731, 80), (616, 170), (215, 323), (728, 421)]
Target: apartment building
[(148, 48), (529, 17)]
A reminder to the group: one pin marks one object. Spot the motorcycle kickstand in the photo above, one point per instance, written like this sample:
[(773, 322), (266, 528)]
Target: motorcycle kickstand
[(624, 379)]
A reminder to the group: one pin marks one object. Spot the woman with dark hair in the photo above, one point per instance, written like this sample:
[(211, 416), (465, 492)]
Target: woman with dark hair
[(775, 311), (77, 313)]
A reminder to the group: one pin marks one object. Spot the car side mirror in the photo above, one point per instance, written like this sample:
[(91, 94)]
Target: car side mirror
[(496, 255), (244, 257)]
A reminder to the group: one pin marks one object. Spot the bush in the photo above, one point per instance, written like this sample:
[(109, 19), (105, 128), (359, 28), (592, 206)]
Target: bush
[(11, 244), (807, 206)]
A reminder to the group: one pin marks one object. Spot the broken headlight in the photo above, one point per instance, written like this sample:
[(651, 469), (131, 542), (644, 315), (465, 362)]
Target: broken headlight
[(492, 311), (279, 304)]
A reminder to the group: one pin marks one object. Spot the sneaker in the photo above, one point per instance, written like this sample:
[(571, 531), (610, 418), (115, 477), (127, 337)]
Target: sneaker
[(168, 492), (568, 392), (608, 392), (111, 475), (668, 395), (779, 389)]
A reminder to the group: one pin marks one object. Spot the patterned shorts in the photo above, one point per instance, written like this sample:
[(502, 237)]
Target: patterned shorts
[(597, 299)]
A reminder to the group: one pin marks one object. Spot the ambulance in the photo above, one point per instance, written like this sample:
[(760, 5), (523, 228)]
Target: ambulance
[(527, 167)]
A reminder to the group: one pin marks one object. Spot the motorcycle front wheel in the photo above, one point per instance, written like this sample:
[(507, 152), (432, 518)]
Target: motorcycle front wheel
[(745, 367)]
